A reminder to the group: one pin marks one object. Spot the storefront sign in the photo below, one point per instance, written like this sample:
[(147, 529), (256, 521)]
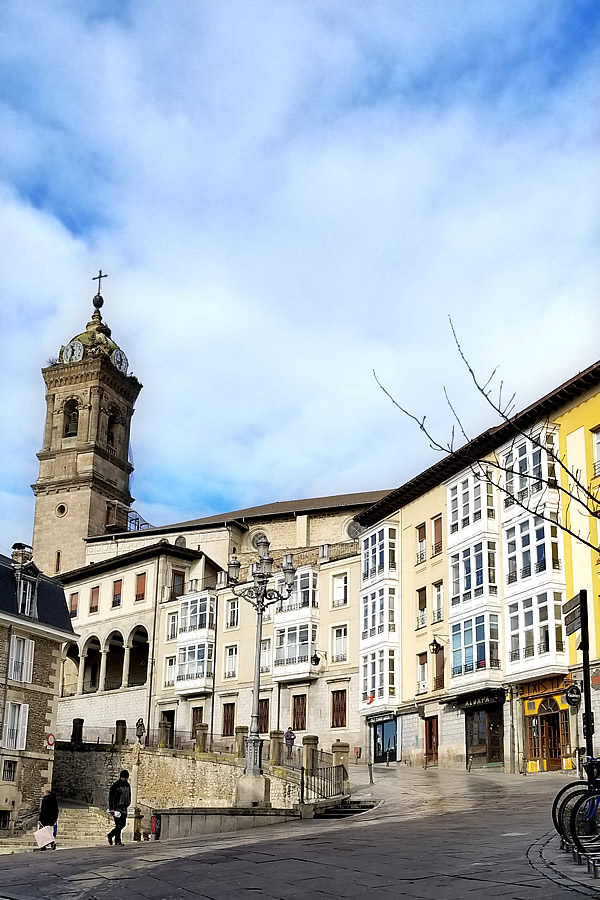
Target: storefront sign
[(384, 717), (573, 695), (552, 685), (484, 698)]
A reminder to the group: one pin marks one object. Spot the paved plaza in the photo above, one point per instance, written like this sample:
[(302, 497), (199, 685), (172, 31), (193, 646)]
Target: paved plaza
[(435, 835)]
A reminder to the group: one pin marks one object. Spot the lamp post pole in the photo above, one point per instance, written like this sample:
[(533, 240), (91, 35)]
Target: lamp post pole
[(260, 596)]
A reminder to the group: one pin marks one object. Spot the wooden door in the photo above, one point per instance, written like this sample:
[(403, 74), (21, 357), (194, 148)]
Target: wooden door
[(299, 712), (263, 716), (431, 740), (197, 718), (228, 719)]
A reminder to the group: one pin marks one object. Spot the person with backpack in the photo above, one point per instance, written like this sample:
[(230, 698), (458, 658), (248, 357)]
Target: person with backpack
[(119, 799)]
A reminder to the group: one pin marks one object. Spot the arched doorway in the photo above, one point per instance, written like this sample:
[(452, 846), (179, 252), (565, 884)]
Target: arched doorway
[(90, 659), (115, 655), (549, 724), (70, 672), (138, 657)]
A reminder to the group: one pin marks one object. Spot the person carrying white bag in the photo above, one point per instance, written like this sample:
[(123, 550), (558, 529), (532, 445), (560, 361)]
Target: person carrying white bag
[(119, 799), (45, 836)]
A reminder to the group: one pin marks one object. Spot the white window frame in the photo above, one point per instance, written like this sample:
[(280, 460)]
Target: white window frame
[(339, 642), (339, 589), (172, 626), (232, 613), (20, 660), (265, 655), (14, 736), (26, 598), (170, 671), (231, 655)]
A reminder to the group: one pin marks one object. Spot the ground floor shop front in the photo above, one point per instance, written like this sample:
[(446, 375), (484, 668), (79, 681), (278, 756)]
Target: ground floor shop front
[(549, 728)]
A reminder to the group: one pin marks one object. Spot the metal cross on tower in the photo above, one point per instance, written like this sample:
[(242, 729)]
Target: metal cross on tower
[(99, 278)]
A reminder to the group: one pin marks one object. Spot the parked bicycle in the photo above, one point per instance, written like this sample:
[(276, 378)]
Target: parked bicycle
[(576, 809)]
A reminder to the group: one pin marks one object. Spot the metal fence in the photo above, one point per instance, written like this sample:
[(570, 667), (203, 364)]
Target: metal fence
[(322, 784)]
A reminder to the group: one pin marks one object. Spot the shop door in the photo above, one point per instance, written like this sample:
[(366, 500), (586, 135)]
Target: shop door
[(168, 715), (485, 736), (551, 742), (385, 742), (431, 740)]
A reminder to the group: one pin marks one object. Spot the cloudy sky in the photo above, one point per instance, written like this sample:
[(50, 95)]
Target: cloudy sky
[(287, 194)]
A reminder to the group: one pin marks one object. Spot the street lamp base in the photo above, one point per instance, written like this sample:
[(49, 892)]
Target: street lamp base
[(253, 791)]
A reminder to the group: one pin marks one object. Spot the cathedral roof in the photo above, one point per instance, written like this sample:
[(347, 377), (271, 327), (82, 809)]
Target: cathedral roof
[(51, 606), (95, 341)]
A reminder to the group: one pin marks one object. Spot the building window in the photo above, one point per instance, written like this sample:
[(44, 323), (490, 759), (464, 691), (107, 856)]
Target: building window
[(140, 587), (455, 576), (292, 644), (306, 588), (338, 709), (544, 628), (299, 712), (177, 583), (195, 661), (374, 552), (392, 673), (511, 550), (14, 736), (340, 589), (197, 613), (4, 819), (466, 563), (491, 509), (421, 607), (515, 644), (94, 599), (540, 544), (476, 501), (228, 719), (438, 601), (421, 673), (525, 549), (26, 598), (263, 716), (453, 510), (197, 717), (232, 619), (9, 770), (596, 438), (71, 418), (57, 562), (265, 655), (391, 609), (421, 543), (436, 547), (231, 660), (73, 605), (465, 503), (491, 552), (340, 643), (20, 660), (172, 621), (170, 670), (117, 592), (558, 628), (392, 549)]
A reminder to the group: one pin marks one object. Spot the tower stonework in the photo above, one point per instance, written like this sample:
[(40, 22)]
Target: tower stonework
[(83, 484)]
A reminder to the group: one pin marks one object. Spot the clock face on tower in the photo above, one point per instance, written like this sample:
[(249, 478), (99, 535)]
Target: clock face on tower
[(120, 361), (73, 352)]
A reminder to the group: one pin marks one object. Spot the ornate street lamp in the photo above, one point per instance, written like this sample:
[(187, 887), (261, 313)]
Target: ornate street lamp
[(260, 596)]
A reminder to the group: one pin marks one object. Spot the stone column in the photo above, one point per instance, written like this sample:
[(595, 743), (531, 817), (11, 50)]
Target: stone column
[(81, 674), (49, 421), (102, 677), (341, 755), (276, 747), (201, 736), (164, 734), (95, 414), (310, 745), (120, 731), (125, 674), (241, 733)]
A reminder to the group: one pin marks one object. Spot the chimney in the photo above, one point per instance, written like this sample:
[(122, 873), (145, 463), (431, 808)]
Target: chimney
[(22, 553)]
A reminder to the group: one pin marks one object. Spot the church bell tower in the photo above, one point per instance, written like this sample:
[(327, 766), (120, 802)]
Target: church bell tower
[(83, 485)]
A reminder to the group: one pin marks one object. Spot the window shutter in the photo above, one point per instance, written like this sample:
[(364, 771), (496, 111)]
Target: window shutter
[(22, 733), (11, 658), (28, 661)]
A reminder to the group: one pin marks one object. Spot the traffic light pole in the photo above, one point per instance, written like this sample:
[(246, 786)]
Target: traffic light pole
[(588, 718)]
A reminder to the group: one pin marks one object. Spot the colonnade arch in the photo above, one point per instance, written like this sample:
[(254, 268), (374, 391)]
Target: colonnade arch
[(106, 664)]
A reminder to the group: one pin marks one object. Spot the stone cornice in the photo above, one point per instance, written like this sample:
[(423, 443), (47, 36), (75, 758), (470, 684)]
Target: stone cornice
[(93, 482), (91, 370), (88, 447)]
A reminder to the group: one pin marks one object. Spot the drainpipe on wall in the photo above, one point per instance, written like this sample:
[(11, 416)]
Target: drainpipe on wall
[(151, 660), (212, 705), (5, 692)]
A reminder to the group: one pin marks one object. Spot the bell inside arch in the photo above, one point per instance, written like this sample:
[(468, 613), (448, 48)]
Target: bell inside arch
[(71, 430)]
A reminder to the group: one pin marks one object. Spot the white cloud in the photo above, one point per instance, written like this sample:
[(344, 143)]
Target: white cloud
[(286, 196)]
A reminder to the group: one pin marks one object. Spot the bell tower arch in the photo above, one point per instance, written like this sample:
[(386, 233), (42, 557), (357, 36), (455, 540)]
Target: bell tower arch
[(83, 484)]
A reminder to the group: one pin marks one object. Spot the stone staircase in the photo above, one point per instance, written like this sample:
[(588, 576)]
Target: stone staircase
[(78, 826)]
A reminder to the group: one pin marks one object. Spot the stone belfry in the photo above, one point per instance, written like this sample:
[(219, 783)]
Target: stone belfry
[(83, 485)]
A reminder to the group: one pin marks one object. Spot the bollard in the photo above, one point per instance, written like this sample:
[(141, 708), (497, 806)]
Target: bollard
[(77, 732), (120, 731), (241, 733), (275, 747), (201, 737), (137, 824), (310, 747), (341, 755), (164, 734)]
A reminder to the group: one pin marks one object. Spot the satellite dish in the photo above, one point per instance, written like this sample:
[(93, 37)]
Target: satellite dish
[(354, 530)]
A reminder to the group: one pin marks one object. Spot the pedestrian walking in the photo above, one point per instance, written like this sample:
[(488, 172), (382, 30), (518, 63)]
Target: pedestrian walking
[(140, 730), (49, 814), (289, 738), (119, 799)]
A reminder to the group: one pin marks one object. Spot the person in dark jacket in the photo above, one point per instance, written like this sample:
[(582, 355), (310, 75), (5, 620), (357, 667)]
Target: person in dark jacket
[(119, 799), (49, 813)]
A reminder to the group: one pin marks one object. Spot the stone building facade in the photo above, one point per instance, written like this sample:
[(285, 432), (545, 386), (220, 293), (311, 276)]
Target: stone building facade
[(34, 624)]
